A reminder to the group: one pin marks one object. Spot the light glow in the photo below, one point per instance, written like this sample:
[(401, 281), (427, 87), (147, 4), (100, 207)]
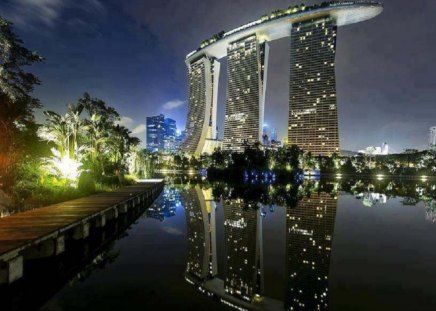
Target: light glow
[(64, 167)]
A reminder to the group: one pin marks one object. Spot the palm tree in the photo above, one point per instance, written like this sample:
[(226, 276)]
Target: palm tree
[(74, 121), (57, 131)]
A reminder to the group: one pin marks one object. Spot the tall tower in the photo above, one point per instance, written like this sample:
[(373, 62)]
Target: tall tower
[(243, 250), (203, 77), (313, 116), (309, 234), (155, 133), (247, 75), (170, 135)]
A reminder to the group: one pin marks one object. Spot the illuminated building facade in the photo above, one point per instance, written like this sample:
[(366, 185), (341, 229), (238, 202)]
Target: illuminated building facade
[(247, 62), (243, 250), (170, 135), (200, 219), (203, 76), (155, 132), (309, 234), (161, 134), (313, 116)]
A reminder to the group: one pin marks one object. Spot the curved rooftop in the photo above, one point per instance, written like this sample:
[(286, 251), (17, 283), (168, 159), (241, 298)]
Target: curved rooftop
[(276, 25)]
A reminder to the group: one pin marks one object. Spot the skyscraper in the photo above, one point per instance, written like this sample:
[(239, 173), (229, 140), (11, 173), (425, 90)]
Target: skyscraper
[(247, 62), (313, 117), (203, 76), (155, 133), (170, 135), (161, 134)]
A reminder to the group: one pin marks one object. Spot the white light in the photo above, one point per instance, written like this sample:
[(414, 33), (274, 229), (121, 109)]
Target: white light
[(64, 166), (380, 176)]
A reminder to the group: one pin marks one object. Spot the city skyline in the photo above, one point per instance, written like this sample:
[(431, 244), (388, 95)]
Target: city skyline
[(387, 105)]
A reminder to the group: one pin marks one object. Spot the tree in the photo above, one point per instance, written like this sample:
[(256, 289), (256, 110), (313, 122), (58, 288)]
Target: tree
[(16, 103), (120, 143)]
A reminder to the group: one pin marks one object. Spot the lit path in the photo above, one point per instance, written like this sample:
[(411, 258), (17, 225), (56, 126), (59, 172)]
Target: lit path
[(42, 232)]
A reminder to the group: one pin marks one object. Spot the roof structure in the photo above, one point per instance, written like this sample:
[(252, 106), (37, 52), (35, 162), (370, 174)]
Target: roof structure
[(277, 24)]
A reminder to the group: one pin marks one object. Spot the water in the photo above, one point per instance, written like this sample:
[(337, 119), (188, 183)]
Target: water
[(348, 245)]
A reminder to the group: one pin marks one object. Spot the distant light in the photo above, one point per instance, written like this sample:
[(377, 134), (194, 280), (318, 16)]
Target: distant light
[(339, 175), (424, 177), (380, 176)]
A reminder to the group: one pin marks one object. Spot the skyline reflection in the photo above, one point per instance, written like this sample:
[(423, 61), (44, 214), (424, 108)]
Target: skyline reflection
[(310, 220)]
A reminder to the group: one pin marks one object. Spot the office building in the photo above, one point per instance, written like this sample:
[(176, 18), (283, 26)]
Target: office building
[(161, 134), (155, 133), (170, 135)]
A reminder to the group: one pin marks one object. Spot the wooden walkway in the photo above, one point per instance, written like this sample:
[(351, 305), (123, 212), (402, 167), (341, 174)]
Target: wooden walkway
[(53, 223)]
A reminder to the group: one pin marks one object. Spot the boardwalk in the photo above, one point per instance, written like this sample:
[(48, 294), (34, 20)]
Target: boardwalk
[(42, 232)]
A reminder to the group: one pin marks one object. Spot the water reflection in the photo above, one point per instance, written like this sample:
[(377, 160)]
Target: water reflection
[(201, 233), (310, 221), (231, 238), (165, 206), (243, 249), (309, 233), (44, 277)]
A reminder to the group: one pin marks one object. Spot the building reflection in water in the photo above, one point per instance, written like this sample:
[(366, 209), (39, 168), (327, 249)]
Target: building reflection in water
[(201, 233), (310, 221), (165, 206), (243, 249), (309, 234)]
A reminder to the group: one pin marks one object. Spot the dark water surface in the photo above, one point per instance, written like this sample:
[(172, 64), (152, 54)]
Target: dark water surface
[(347, 245)]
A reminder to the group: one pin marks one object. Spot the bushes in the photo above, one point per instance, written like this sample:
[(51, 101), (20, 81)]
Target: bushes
[(86, 183)]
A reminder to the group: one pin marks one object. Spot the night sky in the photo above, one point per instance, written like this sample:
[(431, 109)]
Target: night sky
[(131, 54)]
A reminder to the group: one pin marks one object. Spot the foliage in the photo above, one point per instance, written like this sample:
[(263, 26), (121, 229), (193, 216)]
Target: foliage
[(87, 138), (17, 126), (288, 160), (86, 182)]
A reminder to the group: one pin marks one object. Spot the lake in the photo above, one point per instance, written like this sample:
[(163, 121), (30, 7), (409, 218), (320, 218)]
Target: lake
[(318, 245)]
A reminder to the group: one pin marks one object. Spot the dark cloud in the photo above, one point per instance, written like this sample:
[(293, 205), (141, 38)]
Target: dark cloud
[(131, 53), (46, 13)]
